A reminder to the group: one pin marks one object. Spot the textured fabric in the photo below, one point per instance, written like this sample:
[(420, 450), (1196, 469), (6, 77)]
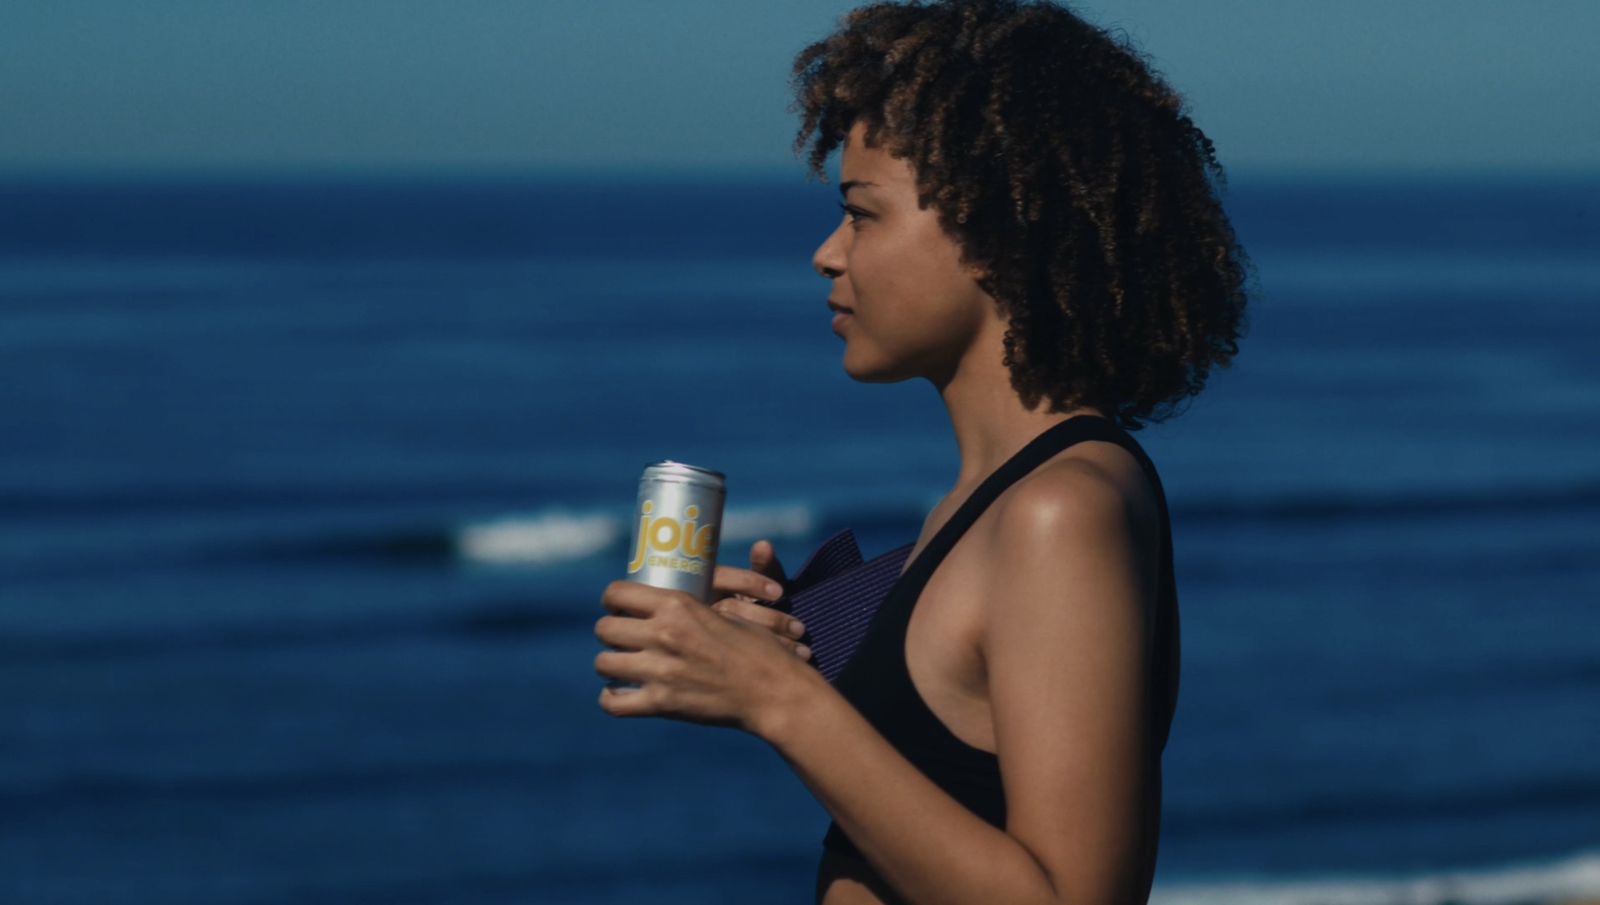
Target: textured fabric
[(875, 678), (835, 595), (832, 556)]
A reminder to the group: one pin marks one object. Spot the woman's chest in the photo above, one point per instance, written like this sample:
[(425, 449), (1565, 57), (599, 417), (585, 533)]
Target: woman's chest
[(944, 647)]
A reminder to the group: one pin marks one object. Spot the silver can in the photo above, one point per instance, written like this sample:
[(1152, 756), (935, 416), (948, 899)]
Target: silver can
[(677, 525)]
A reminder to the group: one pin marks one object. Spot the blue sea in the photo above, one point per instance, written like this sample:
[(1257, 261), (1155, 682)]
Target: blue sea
[(308, 489)]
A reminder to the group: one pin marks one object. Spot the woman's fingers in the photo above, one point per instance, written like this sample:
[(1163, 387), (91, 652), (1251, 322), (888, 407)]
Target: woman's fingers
[(669, 634), (786, 629), (728, 580), (693, 662), (629, 598), (764, 559), (644, 698), (628, 702), (763, 580), (625, 632), (628, 666), (775, 621)]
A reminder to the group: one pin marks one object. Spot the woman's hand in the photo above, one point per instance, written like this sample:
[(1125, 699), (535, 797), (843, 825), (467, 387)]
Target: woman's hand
[(735, 592), (691, 662)]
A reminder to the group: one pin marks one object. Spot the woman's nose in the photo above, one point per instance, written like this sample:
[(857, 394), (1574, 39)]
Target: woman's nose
[(828, 261)]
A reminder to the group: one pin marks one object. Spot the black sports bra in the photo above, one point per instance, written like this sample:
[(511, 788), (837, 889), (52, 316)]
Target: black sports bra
[(856, 615)]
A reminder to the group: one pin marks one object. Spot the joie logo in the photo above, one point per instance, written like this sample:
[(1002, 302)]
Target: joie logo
[(666, 542)]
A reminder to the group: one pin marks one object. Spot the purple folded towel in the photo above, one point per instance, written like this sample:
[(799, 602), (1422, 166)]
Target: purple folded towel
[(836, 594)]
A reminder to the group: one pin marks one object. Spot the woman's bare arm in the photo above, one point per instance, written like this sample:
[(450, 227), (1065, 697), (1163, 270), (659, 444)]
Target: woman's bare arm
[(1065, 644)]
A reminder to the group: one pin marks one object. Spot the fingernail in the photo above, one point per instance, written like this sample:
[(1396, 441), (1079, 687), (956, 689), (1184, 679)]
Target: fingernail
[(774, 590), (796, 628), (804, 652)]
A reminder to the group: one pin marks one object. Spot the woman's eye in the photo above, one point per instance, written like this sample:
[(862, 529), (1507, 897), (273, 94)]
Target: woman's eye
[(855, 214)]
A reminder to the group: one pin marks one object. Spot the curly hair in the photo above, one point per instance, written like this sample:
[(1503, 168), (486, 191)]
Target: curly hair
[(1067, 171)]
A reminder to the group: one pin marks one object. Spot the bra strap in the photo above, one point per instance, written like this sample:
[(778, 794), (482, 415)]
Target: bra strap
[(1038, 451)]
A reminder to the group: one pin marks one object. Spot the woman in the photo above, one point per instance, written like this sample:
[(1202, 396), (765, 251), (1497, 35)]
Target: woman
[(1030, 225)]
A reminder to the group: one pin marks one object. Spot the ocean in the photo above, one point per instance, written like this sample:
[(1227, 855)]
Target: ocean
[(308, 490)]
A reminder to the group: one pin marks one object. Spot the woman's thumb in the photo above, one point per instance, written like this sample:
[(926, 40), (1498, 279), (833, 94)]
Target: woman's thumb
[(764, 559)]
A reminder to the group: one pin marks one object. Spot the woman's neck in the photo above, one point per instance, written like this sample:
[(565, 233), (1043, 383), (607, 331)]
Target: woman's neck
[(990, 422)]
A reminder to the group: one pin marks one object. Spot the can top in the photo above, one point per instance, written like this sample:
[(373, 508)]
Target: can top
[(687, 474)]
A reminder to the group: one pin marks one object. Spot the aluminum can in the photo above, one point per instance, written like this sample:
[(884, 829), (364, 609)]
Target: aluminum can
[(677, 525)]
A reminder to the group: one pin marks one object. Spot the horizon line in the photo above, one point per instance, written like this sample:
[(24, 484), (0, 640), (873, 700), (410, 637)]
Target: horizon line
[(737, 171)]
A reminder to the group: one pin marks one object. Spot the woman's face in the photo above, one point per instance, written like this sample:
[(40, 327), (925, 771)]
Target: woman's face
[(905, 304)]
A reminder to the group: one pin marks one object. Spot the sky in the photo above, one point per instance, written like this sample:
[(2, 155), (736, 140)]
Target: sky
[(472, 85)]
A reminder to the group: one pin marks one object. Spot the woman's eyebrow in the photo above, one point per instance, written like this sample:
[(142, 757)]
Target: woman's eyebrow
[(845, 187)]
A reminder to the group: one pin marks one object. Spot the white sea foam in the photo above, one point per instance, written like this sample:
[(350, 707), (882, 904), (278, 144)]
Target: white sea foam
[(1572, 880), (561, 536), (742, 525), (549, 537)]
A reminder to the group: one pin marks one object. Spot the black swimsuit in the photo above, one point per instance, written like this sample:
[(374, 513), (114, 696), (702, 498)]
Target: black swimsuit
[(856, 615)]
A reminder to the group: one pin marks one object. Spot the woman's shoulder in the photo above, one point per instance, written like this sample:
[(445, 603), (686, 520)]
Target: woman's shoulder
[(1084, 526), (1093, 486), (1073, 565)]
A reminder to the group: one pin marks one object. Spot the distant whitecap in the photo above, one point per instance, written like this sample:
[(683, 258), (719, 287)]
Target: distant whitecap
[(739, 525), (1574, 880), (538, 540)]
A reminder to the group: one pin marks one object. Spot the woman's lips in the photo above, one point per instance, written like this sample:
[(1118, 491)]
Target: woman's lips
[(840, 314)]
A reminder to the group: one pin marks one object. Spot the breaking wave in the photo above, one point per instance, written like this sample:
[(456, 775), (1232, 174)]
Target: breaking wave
[(538, 540), (1574, 880), (559, 536)]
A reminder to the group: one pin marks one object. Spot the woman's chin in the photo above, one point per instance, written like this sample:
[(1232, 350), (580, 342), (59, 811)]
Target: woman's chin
[(864, 369)]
